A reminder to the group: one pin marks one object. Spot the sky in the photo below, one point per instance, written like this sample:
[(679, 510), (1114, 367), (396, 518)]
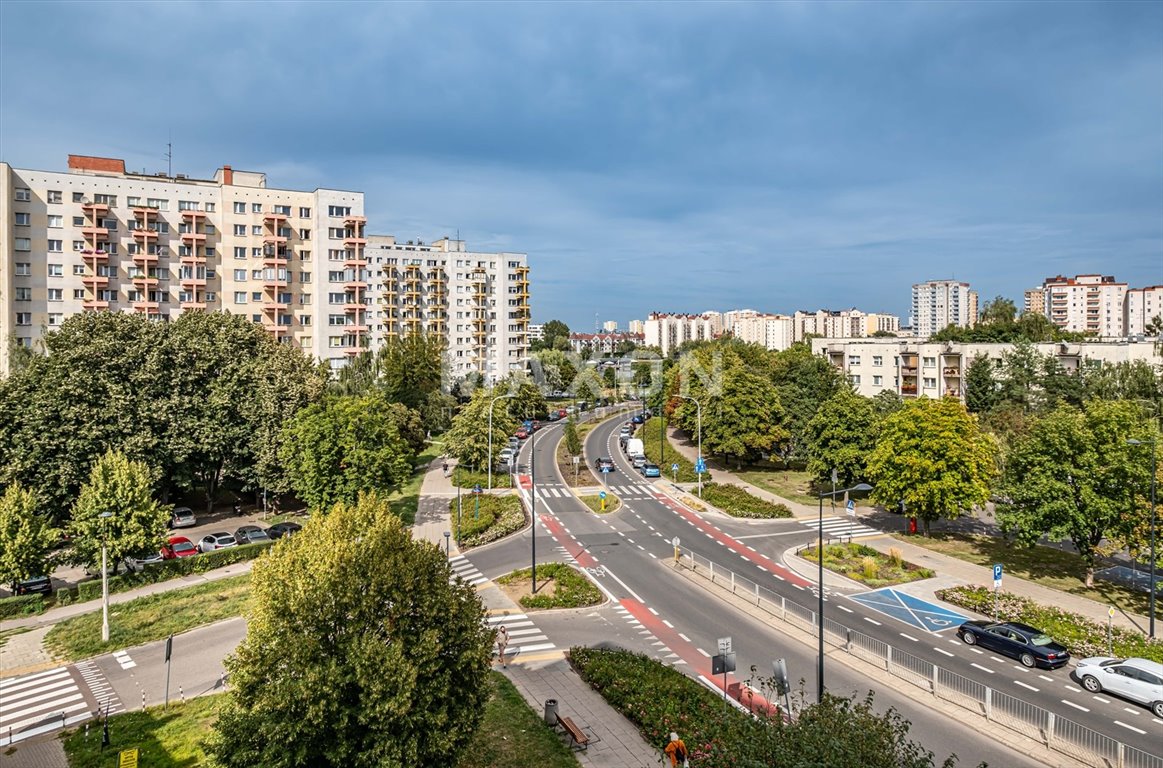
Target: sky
[(674, 157)]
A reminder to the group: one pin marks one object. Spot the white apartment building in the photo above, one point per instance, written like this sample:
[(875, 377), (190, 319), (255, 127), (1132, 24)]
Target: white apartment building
[(917, 368), (610, 326), (1093, 304), (776, 332), (668, 331), (843, 324), (938, 304), (636, 326), (478, 302), (1143, 306), (602, 343)]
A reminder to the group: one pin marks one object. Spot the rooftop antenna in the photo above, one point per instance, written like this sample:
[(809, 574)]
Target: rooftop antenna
[(169, 159)]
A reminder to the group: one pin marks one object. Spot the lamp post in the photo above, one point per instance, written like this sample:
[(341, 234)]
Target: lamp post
[(1151, 584), (491, 404), (699, 406), (104, 580), (820, 557), (533, 507)]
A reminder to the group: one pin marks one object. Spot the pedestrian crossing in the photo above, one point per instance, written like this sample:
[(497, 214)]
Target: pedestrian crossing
[(463, 569), (841, 528), (107, 700), (555, 492), (524, 636), (42, 702)]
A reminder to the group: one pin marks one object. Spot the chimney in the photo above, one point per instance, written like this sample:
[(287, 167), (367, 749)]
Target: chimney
[(227, 175)]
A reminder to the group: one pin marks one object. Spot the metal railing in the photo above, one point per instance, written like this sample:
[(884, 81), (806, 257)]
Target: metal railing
[(1053, 731)]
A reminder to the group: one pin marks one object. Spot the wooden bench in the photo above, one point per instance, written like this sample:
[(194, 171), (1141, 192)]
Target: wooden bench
[(579, 739)]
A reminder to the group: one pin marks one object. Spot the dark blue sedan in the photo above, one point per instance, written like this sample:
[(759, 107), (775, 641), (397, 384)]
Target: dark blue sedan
[(1030, 646)]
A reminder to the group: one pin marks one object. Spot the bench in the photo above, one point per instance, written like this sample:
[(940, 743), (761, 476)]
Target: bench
[(579, 739)]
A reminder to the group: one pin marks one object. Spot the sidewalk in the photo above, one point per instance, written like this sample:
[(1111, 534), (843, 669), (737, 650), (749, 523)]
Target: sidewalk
[(950, 570), (546, 675)]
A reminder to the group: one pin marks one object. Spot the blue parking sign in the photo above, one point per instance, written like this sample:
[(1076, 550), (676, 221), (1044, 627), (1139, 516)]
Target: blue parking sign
[(997, 572), (601, 494)]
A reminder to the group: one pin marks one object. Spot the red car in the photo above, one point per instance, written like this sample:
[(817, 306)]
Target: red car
[(536, 425), (562, 413), (178, 546), (522, 433)]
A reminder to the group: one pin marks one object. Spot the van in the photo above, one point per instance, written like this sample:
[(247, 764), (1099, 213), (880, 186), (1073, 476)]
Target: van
[(634, 447)]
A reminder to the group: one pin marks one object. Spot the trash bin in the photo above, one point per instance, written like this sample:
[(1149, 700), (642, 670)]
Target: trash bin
[(551, 712), (912, 525)]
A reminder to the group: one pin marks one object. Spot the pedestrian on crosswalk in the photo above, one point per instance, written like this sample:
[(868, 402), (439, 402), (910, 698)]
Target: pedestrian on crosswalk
[(502, 642)]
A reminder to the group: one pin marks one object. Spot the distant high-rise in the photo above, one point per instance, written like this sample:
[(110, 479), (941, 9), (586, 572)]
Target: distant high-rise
[(1092, 304), (1035, 301), (938, 304), (1143, 306), (610, 326), (636, 326)]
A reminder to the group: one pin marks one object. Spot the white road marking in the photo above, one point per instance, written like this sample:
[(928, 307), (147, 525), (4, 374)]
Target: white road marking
[(1030, 687), (1130, 727), (700, 650), (942, 650), (983, 669), (1076, 706), (873, 621), (909, 637)]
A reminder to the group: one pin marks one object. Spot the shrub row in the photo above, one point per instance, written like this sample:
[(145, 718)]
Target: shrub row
[(867, 565), (737, 502), (1081, 635), (648, 433), (21, 605), (497, 517), (571, 589)]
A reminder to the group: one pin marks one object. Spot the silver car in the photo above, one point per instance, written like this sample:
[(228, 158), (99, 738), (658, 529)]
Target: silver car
[(183, 518), (1139, 680), (216, 541)]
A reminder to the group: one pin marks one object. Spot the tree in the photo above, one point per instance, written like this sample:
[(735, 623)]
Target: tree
[(744, 421), (610, 377), (26, 538), (554, 335), (136, 522), (803, 381), (412, 368), (1071, 477), (573, 442), (1136, 380), (840, 437), (361, 650), (886, 402), (554, 370), (468, 438), (337, 449), (933, 456), (981, 385), (527, 401), (1000, 311)]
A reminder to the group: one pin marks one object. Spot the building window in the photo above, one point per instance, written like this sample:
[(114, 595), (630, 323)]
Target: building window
[(256, 229), (304, 319), (304, 234), (187, 205), (209, 207), (336, 233), (54, 196), (240, 252), (304, 298), (304, 213), (853, 359), (78, 293), (56, 270), (109, 200), (336, 298), (256, 252), (78, 197), (240, 230), (304, 277), (240, 207), (240, 297), (256, 296), (256, 207), (877, 360), (23, 294), (211, 296), (23, 195), (930, 383), (284, 210), (240, 275), (78, 246), (335, 276), (54, 222), (23, 244), (54, 319), (78, 221), (338, 210), (23, 269), (56, 294), (159, 203), (23, 219), (78, 269), (55, 246), (304, 255), (24, 318), (930, 362)]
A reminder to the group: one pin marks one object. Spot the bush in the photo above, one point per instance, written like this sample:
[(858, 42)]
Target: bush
[(571, 589), (498, 517), (64, 596), (1081, 635), (867, 565), (21, 605), (737, 502)]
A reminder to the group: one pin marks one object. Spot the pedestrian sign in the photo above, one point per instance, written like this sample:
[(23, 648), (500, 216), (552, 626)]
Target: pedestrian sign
[(601, 494), (700, 465), (477, 489), (674, 467), (607, 468), (851, 507)]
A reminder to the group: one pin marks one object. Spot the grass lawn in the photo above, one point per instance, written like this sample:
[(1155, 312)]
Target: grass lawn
[(406, 499), (791, 485), (150, 618), (467, 479), (1047, 566), (165, 739), (664, 454), (484, 517), (513, 736), (558, 586), (581, 476), (613, 503), (867, 565)]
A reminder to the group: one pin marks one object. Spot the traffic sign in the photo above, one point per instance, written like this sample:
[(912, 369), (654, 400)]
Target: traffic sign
[(1110, 612), (607, 468), (851, 507), (674, 542), (477, 488), (127, 758), (700, 465), (674, 467), (725, 645), (721, 665), (997, 576), (601, 494)]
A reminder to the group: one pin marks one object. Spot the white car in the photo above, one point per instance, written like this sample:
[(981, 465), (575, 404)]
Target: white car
[(1139, 680), (183, 518), (216, 541), (138, 564)]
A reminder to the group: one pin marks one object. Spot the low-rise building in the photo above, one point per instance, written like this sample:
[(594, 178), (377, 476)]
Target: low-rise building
[(602, 343)]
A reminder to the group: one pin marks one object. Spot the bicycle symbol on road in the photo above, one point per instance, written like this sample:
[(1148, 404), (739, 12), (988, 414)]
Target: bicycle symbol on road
[(597, 572)]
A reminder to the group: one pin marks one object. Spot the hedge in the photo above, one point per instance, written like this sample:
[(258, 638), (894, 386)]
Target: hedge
[(21, 605), (1084, 637), (737, 502)]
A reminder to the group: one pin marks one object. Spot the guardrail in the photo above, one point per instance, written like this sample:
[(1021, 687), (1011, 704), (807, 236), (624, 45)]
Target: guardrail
[(1054, 731)]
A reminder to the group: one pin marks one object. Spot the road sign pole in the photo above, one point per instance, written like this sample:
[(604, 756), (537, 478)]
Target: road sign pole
[(169, 650)]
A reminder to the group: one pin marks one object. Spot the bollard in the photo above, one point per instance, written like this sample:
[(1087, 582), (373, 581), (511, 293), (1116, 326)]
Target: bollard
[(181, 694), (143, 701)]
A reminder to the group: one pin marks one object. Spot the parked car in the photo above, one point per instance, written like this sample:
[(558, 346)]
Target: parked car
[(37, 585), (521, 433), (178, 546), (651, 470), (1140, 680), (138, 563), (1030, 646), (637, 419), (604, 462), (536, 425), (251, 534), (552, 416), (287, 528), (183, 517), (562, 413), (215, 541), (638, 461)]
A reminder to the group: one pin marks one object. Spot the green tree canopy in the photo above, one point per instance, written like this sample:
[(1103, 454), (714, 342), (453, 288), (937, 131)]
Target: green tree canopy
[(468, 438), (554, 335), (933, 456), (1000, 311), (554, 369), (803, 381), (840, 437), (361, 651), (26, 537), (136, 523), (337, 449), (981, 385)]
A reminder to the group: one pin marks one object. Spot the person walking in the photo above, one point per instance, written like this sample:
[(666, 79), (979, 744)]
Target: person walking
[(444, 466), (502, 642), (676, 751)]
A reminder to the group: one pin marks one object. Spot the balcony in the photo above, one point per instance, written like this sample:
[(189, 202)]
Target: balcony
[(275, 306), (193, 237), (93, 281), (142, 211), (148, 307), (144, 234), (355, 261), (90, 254), (94, 208), (278, 331), (351, 240), (354, 220), (144, 280), (193, 258), (95, 232), (274, 218), (355, 285), (95, 304), (275, 260), (195, 304), (273, 282), (952, 372), (271, 239), (193, 215), (354, 306), (193, 282), (145, 259)]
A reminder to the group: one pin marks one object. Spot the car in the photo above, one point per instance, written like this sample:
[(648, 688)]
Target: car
[(183, 517), (637, 419), (536, 425), (562, 413), (1140, 680), (506, 454), (178, 546), (1032, 647), (651, 470), (638, 461), (552, 416), (251, 534), (604, 462), (521, 434), (36, 585), (138, 563), (286, 528), (214, 541)]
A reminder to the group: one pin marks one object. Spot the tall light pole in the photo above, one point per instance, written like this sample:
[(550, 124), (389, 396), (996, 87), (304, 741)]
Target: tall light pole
[(533, 505), (491, 404), (820, 556), (104, 579), (1151, 584), (699, 406)]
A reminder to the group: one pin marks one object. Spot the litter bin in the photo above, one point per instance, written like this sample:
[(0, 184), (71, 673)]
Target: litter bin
[(551, 712), (912, 525)]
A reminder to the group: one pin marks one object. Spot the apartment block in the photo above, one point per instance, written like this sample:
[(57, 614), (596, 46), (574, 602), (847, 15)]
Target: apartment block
[(668, 331), (1092, 304), (636, 326), (842, 324), (775, 332), (917, 368), (1034, 302), (602, 343), (938, 304), (1143, 306), (478, 302)]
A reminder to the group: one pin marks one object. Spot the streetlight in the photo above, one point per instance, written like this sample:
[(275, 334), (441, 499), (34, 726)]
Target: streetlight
[(700, 412), (820, 554), (1151, 583), (491, 404), (104, 581)]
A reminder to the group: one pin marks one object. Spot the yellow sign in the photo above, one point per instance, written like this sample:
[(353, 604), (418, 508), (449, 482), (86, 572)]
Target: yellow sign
[(127, 758), (1110, 611)]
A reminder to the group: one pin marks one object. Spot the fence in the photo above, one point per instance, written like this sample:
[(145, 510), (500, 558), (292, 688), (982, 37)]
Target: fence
[(1054, 731)]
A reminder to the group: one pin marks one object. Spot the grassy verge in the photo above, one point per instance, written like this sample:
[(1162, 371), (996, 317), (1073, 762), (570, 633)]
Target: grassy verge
[(788, 484), (1081, 635), (484, 518), (150, 618), (405, 500), (867, 565), (613, 503), (663, 453), (1050, 567), (8, 633), (579, 477), (558, 586), (737, 502), (513, 736), (466, 478), (165, 739)]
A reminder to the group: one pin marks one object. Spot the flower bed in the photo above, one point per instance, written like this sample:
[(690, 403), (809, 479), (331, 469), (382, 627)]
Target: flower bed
[(737, 502), (594, 502), (867, 565), (571, 589), (497, 517), (1081, 635)]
